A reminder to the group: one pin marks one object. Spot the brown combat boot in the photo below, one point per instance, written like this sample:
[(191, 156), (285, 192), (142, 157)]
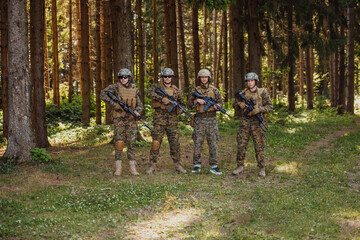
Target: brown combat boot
[(118, 168), (179, 168), (262, 172), (133, 168), (238, 171), (151, 168)]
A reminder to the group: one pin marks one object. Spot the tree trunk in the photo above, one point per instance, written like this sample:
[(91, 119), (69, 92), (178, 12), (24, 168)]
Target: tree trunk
[(195, 34), (254, 41), (167, 32), (205, 39), (91, 75), (155, 48), (173, 43), (332, 79), (350, 60), (20, 135), (225, 72), (218, 60), (301, 73), (55, 74), (46, 61), (71, 87), (85, 69), (140, 49), (98, 86), (214, 47), (37, 72), (4, 67), (183, 49), (341, 99), (309, 84), (291, 59), (106, 64)]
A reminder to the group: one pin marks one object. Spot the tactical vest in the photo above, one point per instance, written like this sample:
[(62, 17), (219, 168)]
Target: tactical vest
[(209, 92), (254, 95), (158, 104), (127, 95)]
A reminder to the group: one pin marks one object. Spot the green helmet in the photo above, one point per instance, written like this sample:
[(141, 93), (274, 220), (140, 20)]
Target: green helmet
[(251, 76), (167, 72), (124, 72)]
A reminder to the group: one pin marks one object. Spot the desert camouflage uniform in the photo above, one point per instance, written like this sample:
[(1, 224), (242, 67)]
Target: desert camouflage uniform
[(249, 126), (205, 124), (125, 127), (165, 122)]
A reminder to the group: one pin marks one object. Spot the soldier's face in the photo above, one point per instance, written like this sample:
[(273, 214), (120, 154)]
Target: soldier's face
[(124, 80), (204, 80), (251, 83), (167, 79)]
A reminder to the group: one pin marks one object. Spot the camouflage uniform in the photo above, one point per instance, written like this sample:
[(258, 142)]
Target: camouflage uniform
[(249, 126), (205, 124), (165, 122), (125, 127)]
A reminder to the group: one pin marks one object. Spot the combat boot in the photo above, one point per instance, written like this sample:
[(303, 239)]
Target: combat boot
[(133, 168), (179, 168), (238, 171), (262, 172), (151, 168), (118, 168)]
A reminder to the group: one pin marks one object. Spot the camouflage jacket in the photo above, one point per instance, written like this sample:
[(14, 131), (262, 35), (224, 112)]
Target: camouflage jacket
[(217, 95)]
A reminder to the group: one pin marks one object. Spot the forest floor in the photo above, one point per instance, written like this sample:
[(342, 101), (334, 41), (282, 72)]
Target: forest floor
[(311, 191)]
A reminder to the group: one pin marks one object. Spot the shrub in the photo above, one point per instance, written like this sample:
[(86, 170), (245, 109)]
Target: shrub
[(39, 155)]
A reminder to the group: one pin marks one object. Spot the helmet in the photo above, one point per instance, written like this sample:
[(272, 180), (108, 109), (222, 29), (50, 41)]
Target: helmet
[(204, 73), (167, 72), (124, 72), (251, 76)]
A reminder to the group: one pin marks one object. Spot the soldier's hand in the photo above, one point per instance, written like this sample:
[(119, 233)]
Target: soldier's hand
[(165, 100), (117, 107), (243, 105), (256, 110), (137, 115), (200, 101)]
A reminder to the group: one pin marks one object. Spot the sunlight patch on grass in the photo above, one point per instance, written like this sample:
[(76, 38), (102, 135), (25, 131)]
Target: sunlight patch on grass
[(290, 168), (165, 225)]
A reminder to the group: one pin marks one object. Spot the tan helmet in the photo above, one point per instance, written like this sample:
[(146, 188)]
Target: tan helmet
[(204, 73), (251, 76)]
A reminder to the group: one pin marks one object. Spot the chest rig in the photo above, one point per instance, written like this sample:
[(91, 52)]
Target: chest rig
[(209, 92), (254, 95), (170, 91), (127, 95)]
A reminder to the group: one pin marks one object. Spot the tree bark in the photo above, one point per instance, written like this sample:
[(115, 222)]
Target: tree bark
[(183, 49), (301, 73), (225, 72), (350, 60), (173, 43), (205, 37), (71, 87), (291, 59), (37, 72), (195, 35), (155, 46), (55, 73), (309, 84), (342, 97), (140, 49), (214, 47), (20, 135), (167, 32), (85, 68), (46, 61), (98, 86), (4, 67)]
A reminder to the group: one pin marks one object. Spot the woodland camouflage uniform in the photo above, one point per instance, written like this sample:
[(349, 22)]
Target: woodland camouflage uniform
[(125, 126), (205, 124), (165, 122), (249, 126)]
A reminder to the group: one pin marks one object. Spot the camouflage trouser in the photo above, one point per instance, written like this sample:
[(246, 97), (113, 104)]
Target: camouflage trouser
[(125, 130), (172, 132), (247, 128), (206, 127)]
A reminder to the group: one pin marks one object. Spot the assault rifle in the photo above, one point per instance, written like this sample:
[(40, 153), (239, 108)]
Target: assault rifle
[(251, 106), (126, 108), (210, 101), (175, 103)]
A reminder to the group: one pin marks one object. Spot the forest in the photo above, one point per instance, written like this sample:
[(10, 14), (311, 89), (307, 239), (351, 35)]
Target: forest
[(56, 135)]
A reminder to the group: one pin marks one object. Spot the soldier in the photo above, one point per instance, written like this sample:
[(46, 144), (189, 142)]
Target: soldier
[(249, 125), (125, 127), (164, 121), (205, 123)]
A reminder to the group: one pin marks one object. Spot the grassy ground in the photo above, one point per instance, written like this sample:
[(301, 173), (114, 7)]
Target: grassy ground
[(311, 190)]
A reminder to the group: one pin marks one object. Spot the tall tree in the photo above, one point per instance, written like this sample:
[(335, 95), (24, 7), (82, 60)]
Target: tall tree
[(309, 83), (225, 72), (205, 37), (342, 97), (4, 66), (195, 36), (214, 47), (140, 49), (55, 43), (166, 6), (37, 7), (98, 86), (182, 45), (350, 60), (71, 87), (46, 62), (155, 50), (20, 135), (173, 42), (291, 58), (85, 68)]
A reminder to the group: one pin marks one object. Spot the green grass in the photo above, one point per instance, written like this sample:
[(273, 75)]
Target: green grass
[(306, 194)]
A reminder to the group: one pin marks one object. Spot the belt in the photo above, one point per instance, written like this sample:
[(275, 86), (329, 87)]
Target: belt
[(206, 114)]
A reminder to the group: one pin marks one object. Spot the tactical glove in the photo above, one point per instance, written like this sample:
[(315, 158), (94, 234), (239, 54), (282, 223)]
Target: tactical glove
[(256, 110), (137, 114), (242, 105), (165, 100)]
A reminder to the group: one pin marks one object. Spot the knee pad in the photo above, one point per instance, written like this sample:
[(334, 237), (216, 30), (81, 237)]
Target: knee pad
[(119, 145), (155, 145)]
